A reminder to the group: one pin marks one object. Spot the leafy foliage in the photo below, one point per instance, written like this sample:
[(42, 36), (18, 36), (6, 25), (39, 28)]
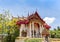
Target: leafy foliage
[(8, 26), (33, 40), (55, 33), (13, 31)]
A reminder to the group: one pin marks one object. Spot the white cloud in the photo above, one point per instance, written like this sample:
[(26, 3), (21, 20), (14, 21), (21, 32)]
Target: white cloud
[(49, 20)]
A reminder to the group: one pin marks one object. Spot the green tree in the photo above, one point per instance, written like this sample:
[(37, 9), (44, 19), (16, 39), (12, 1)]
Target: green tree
[(13, 30), (55, 33), (8, 26)]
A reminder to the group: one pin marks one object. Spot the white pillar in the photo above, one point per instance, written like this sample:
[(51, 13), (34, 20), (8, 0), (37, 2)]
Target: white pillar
[(40, 30), (22, 27), (27, 30), (20, 31), (36, 33), (30, 29), (33, 28)]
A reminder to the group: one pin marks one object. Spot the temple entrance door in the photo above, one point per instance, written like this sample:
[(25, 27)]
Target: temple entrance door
[(37, 30)]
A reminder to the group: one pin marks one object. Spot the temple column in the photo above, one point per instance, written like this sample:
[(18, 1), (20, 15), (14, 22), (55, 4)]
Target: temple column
[(22, 27), (33, 28), (40, 30), (20, 30), (30, 30), (36, 33), (27, 30)]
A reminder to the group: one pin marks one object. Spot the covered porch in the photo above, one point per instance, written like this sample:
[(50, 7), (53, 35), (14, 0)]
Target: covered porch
[(32, 29)]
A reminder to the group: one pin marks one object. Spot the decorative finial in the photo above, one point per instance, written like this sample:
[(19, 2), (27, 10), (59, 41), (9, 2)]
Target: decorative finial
[(18, 16), (36, 9), (22, 16), (28, 13)]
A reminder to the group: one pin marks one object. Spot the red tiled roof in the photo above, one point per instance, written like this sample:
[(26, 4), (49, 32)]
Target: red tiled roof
[(22, 22), (31, 16), (47, 26)]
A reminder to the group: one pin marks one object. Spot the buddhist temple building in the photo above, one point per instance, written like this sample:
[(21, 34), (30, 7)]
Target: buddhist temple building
[(32, 26)]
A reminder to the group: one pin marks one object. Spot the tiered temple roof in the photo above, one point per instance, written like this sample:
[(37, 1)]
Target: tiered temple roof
[(26, 20)]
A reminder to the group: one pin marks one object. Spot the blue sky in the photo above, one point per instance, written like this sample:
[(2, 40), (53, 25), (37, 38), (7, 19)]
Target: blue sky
[(46, 8)]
